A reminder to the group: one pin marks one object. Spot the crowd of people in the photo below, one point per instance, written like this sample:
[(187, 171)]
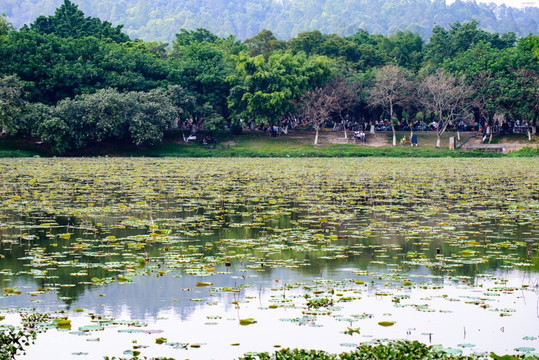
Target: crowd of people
[(285, 124)]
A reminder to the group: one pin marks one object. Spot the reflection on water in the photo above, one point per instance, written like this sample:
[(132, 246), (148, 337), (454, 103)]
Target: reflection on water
[(191, 247)]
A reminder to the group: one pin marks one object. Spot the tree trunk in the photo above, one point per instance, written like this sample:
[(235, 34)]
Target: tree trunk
[(316, 138), (344, 127), (438, 140), (392, 125), (372, 129), (458, 135)]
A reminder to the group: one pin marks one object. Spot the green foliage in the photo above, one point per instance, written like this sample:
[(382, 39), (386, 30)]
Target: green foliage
[(530, 43), (317, 303), (140, 117), (69, 22), (137, 358), (5, 26), (507, 357), (202, 69), (292, 354), (30, 321), (525, 152), (392, 350), (448, 44), (264, 43), (54, 68), (13, 342), (265, 89), (11, 103), (504, 80), (186, 38)]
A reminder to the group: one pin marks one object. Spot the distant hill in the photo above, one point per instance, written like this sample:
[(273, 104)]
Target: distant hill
[(162, 19)]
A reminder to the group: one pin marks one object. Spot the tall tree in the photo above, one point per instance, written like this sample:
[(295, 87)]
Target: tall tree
[(264, 90), (5, 26), (345, 94), (69, 21), (316, 106), (264, 43), (202, 69), (392, 86), (11, 104), (444, 95)]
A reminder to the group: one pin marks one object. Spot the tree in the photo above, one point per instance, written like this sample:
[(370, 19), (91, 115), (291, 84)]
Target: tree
[(151, 115), (5, 26), (11, 104), (484, 96), (265, 90), (316, 105), (493, 75), (346, 93), (264, 43), (309, 42), (444, 95), (447, 44), (54, 68), (392, 87), (406, 49), (139, 117), (528, 102), (530, 44), (186, 38), (69, 21), (202, 69)]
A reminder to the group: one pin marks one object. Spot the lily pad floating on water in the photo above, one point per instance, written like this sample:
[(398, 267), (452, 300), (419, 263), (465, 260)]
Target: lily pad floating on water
[(91, 328), (248, 321), (468, 252), (132, 352), (160, 340), (452, 351), (62, 322), (131, 331), (524, 349)]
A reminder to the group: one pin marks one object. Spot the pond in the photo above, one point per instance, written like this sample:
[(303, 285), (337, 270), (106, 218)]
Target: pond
[(215, 258)]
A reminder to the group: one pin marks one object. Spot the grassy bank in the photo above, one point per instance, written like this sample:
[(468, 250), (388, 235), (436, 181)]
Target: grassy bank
[(257, 144)]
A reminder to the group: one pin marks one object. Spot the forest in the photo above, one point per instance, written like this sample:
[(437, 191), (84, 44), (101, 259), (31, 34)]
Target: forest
[(72, 81), (160, 19)]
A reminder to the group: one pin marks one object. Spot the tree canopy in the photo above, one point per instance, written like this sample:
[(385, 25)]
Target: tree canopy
[(69, 22)]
